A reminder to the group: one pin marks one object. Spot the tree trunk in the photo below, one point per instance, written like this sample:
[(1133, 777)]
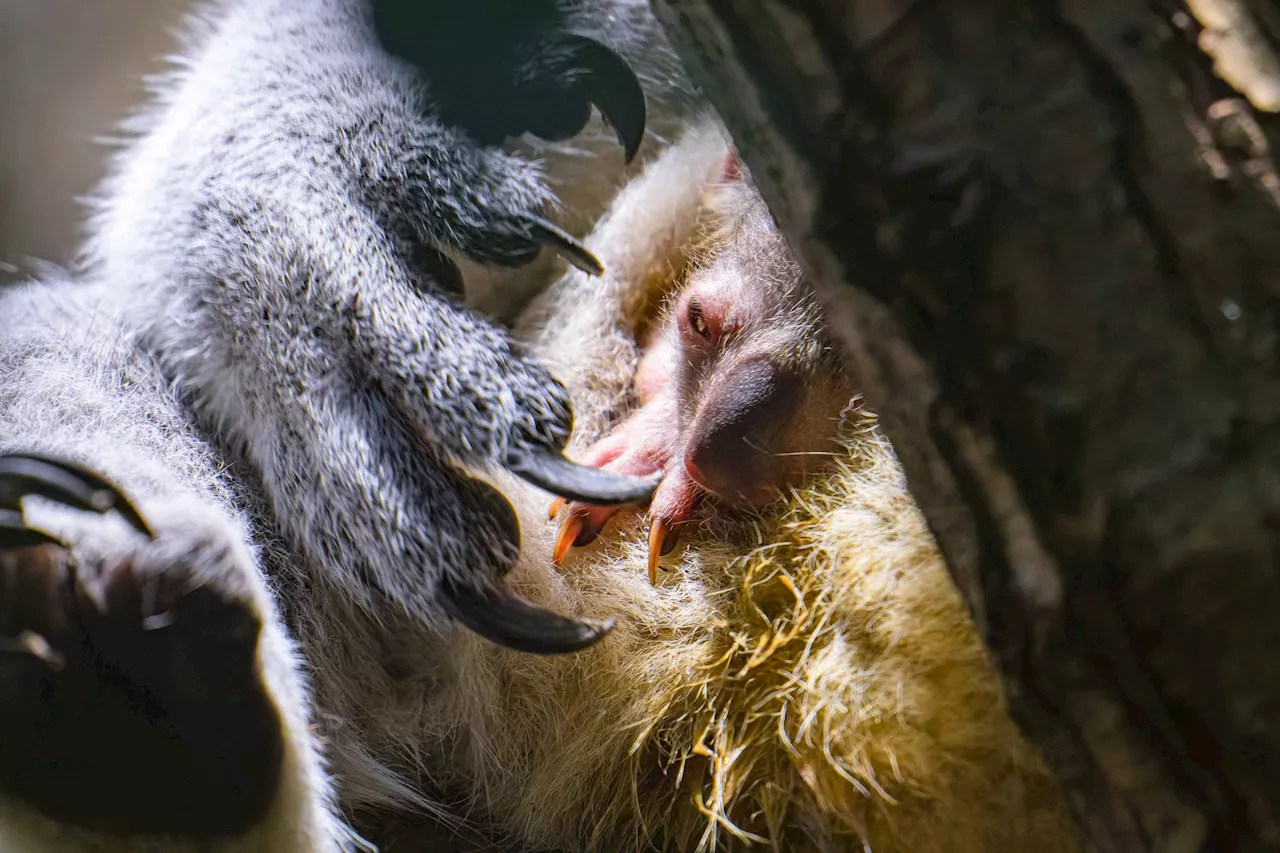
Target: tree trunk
[(1048, 233)]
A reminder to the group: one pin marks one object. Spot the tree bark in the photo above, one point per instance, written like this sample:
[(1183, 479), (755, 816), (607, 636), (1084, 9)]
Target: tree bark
[(1048, 233)]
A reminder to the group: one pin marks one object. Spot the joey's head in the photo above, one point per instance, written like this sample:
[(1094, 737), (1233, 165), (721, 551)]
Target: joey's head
[(759, 382), (740, 391)]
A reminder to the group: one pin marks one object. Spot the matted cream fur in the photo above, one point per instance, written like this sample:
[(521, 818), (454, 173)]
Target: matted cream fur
[(812, 683)]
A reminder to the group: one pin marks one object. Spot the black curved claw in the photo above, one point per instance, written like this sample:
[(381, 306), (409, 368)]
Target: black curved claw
[(508, 620), (564, 245), (609, 83), (554, 473), (502, 68), (14, 532), (23, 474)]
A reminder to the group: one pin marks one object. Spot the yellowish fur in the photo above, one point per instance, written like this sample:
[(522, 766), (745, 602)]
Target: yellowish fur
[(808, 682), (819, 690)]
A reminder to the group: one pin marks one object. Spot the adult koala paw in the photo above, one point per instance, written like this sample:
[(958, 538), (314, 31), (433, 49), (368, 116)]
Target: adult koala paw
[(129, 691), (501, 68)]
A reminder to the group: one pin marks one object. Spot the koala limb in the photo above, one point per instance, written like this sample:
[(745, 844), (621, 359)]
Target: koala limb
[(265, 349), (533, 76), (301, 312), (136, 629)]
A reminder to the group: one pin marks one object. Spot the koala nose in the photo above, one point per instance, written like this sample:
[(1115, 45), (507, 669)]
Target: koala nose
[(732, 451)]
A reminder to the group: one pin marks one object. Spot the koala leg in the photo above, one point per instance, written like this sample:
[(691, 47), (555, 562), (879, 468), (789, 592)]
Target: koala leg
[(145, 689), (367, 400), (148, 689), (145, 660), (308, 314)]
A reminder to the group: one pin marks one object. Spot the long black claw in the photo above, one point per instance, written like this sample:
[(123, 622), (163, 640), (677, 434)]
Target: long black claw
[(564, 245), (554, 473), (612, 86), (508, 620), (24, 474), (14, 532)]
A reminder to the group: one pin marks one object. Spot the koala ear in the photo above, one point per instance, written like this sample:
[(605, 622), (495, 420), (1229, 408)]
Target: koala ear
[(732, 171)]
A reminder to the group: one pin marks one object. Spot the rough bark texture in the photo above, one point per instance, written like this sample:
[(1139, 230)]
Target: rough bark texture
[(1048, 234)]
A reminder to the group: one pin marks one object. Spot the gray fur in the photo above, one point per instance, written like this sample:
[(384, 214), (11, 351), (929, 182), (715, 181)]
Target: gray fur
[(251, 350), (276, 299)]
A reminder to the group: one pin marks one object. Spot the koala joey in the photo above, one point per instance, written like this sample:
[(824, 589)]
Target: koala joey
[(739, 386), (264, 345)]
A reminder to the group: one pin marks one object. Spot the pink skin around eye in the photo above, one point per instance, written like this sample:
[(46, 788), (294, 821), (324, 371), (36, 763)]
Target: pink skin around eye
[(704, 316)]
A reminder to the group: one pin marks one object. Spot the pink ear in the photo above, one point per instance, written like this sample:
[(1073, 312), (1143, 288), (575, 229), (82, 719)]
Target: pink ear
[(732, 170)]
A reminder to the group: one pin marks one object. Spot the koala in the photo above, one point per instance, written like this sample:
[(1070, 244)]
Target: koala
[(802, 675), (274, 549), (265, 345)]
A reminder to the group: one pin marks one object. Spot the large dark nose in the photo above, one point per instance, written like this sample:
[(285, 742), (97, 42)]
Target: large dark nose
[(733, 446)]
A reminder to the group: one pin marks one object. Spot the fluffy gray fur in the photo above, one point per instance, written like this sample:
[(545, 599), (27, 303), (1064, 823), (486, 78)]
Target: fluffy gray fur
[(252, 349)]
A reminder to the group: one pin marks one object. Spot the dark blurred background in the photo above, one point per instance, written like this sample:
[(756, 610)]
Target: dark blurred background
[(69, 70)]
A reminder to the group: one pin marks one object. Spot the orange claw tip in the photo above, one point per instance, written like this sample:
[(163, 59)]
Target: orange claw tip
[(568, 533), (658, 531), (556, 506)]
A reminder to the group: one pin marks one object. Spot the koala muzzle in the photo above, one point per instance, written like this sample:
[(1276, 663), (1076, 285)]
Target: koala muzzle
[(732, 452)]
